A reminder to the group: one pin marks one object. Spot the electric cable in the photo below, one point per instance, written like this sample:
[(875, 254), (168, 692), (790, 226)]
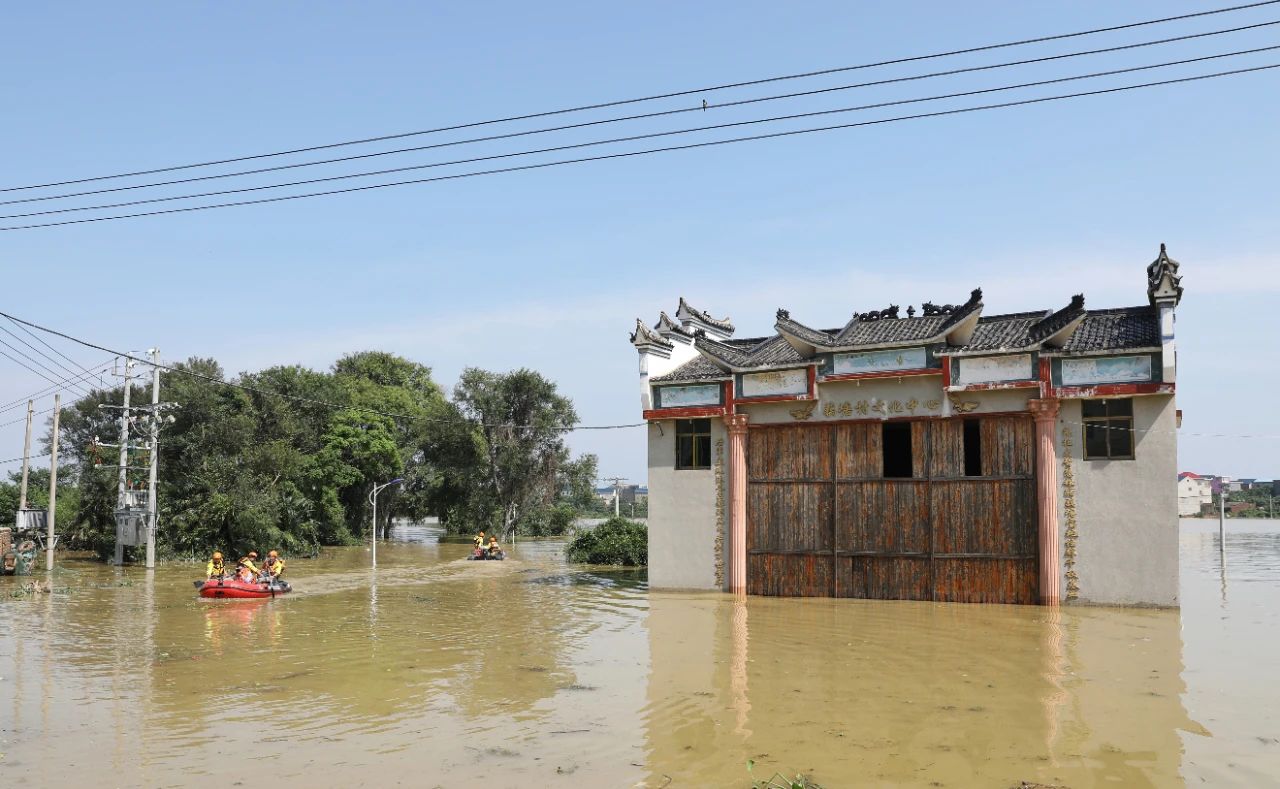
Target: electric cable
[(645, 152), (48, 390), (44, 355), (647, 136), (656, 97), (601, 122), (40, 340), (21, 363), (281, 395)]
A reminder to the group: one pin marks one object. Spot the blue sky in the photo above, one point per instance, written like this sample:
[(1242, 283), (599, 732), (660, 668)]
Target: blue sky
[(548, 269)]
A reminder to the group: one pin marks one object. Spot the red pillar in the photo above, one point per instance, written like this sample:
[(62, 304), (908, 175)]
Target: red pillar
[(737, 424), (1046, 417)]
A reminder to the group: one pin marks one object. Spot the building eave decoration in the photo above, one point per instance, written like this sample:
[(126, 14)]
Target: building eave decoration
[(958, 329), (1055, 330), (669, 328), (689, 315), (644, 337), (1164, 284)]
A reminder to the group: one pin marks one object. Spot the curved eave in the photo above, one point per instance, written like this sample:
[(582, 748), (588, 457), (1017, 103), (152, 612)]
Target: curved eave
[(1059, 353)]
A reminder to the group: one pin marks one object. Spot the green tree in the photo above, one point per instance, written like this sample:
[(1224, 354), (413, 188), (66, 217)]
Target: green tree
[(521, 421)]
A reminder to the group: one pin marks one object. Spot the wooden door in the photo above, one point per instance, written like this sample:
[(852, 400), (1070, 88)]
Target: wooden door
[(823, 521)]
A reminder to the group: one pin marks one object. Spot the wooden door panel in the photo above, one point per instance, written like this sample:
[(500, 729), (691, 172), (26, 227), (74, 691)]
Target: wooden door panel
[(885, 516), (789, 575), (788, 516), (985, 581)]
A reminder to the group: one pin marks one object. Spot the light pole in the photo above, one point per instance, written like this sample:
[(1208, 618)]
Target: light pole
[(373, 499)]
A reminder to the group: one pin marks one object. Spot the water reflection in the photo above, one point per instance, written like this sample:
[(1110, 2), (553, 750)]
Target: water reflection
[(911, 693), (532, 673)]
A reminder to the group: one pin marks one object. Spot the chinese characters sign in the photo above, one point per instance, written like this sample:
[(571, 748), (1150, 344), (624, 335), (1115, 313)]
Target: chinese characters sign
[(1116, 369), (878, 361), (993, 369), (680, 396), (777, 382)]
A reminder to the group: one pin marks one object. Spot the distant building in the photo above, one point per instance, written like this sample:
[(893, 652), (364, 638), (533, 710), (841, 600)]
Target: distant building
[(627, 494), (1194, 491), (946, 455)]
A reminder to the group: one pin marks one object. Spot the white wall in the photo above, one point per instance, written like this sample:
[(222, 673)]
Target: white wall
[(682, 513), (1126, 510)]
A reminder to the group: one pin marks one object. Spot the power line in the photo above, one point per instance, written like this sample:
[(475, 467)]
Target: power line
[(688, 146), (23, 364), (48, 390), (44, 355), (281, 395), (605, 121), (29, 457), (655, 97), (40, 340), (647, 136)]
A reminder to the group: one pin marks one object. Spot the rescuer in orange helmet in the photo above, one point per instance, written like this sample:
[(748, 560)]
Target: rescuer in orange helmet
[(273, 567), (215, 568)]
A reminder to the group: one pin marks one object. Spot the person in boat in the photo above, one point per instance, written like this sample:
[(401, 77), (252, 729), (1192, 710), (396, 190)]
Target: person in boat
[(494, 550), (272, 566), (245, 575), (215, 568), (479, 541), (250, 561)]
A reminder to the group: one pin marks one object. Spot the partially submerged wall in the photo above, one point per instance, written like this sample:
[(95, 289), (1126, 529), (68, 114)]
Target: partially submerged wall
[(1125, 513), (684, 518)]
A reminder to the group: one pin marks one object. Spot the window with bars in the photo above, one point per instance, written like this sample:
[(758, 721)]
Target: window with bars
[(693, 443), (1108, 429)]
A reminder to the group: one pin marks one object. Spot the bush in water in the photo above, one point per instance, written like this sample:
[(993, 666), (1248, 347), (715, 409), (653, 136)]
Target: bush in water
[(616, 541)]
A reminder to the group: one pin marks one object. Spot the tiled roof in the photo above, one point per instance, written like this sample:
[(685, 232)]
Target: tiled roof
[(1059, 320), (720, 323), (696, 370), (1117, 329), (891, 330), (643, 335), (759, 352), (1073, 328), (884, 327), (666, 325), (1001, 332)]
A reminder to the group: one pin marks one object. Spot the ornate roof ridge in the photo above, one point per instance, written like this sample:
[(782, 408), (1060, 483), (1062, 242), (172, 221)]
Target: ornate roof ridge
[(1057, 321), (965, 310), (723, 324), (1163, 281), (643, 335), (665, 324), (1010, 316), (785, 323)]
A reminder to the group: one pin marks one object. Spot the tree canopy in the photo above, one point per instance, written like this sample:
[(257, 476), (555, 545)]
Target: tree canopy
[(288, 457)]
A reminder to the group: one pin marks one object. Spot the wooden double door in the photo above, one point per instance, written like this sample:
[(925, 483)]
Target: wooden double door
[(822, 520)]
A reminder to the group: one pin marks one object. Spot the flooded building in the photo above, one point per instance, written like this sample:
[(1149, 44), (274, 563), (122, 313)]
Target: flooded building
[(939, 454)]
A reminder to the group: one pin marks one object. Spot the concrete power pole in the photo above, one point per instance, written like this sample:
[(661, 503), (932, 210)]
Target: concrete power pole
[(617, 494), (53, 486), (154, 444), (26, 458), (122, 501)]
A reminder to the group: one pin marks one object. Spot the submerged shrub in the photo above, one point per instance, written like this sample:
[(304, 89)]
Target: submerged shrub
[(616, 541)]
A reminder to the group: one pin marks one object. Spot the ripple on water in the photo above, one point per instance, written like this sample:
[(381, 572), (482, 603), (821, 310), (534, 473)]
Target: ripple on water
[(533, 672)]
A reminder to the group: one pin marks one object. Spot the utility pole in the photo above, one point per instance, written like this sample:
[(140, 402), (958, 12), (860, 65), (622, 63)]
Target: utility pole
[(617, 494), (154, 444), (51, 538), (26, 458), (122, 501)]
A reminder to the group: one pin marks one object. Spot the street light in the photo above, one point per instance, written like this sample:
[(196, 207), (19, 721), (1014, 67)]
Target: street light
[(373, 499)]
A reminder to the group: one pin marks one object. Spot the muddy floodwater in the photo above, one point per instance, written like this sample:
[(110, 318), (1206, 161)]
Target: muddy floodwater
[(436, 671)]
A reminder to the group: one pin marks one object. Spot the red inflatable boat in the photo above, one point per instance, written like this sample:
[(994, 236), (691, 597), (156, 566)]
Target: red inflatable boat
[(230, 587)]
